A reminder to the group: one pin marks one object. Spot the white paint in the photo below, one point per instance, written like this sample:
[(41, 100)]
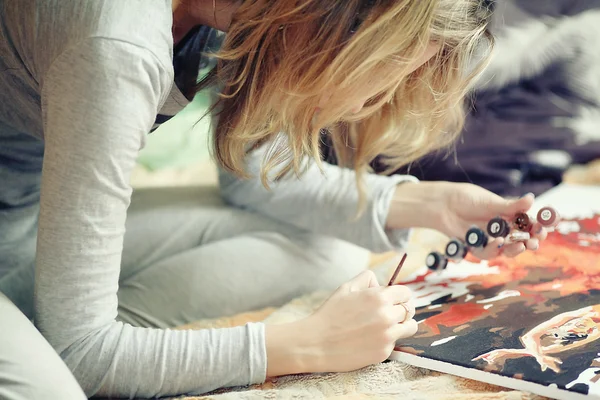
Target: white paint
[(566, 227), (488, 306), (502, 295), (515, 237), (442, 283), (557, 286), (469, 297), (589, 237), (442, 341), (585, 377), (461, 270), (433, 307)]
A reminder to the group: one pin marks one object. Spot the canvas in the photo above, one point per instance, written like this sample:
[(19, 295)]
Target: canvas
[(528, 323)]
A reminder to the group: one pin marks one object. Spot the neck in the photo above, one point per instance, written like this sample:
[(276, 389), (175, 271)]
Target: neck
[(189, 13)]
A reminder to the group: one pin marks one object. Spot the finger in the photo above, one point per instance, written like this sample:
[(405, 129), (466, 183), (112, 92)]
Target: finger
[(513, 249), (491, 250), (398, 314), (403, 312), (522, 204), (397, 294), (539, 232), (532, 244), (405, 329), (496, 205), (410, 305), (364, 280)]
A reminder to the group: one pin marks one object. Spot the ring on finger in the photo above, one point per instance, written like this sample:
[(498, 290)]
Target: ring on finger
[(405, 309)]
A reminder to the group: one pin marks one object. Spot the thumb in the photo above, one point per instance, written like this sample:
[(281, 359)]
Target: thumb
[(364, 280)]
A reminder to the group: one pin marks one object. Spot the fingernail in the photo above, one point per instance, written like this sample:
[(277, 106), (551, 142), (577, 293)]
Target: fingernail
[(501, 245), (528, 194), (539, 229)]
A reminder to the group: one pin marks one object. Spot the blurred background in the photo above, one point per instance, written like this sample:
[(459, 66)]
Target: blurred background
[(535, 117), (534, 120)]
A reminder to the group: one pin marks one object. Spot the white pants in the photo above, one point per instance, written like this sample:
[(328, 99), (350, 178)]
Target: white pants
[(30, 369), (188, 256)]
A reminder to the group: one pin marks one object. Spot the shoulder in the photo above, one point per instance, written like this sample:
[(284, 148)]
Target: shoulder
[(63, 24)]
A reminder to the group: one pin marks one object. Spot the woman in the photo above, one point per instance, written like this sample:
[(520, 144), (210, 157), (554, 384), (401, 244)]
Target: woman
[(89, 78)]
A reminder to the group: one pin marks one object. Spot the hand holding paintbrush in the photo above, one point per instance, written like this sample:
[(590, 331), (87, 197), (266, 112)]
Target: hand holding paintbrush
[(358, 325)]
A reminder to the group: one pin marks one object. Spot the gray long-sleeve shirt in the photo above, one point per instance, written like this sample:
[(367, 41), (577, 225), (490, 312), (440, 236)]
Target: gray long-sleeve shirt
[(89, 78)]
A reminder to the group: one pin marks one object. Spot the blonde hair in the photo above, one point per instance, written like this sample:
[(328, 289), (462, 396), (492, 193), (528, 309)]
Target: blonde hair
[(279, 56)]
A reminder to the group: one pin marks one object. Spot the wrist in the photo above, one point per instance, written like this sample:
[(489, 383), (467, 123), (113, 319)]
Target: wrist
[(413, 206), (290, 349)]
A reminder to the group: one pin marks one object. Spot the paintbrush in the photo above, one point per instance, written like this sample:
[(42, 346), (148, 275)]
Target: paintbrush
[(397, 271)]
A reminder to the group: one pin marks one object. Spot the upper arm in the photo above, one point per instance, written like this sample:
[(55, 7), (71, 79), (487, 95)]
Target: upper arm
[(99, 101)]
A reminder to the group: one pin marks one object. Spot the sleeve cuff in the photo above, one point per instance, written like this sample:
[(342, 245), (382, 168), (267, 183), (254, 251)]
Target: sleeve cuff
[(390, 239), (257, 353)]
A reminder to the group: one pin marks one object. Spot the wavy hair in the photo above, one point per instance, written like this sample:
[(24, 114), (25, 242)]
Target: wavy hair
[(280, 56)]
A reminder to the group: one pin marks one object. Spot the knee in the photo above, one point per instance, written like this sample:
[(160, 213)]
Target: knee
[(31, 368), (39, 383), (36, 376), (29, 376)]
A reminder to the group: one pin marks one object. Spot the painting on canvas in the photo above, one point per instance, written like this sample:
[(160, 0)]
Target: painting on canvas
[(531, 322)]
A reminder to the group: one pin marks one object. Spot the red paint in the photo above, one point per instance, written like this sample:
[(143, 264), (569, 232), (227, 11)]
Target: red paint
[(589, 225), (418, 279), (455, 315)]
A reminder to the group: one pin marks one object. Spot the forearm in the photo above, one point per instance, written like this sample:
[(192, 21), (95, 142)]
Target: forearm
[(123, 361), (324, 202), (287, 352), (413, 206)]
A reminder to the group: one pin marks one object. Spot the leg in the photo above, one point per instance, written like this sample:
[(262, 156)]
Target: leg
[(30, 369), (188, 256), (21, 158)]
